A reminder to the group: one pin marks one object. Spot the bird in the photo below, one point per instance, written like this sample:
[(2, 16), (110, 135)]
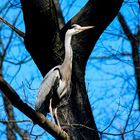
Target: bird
[(57, 81)]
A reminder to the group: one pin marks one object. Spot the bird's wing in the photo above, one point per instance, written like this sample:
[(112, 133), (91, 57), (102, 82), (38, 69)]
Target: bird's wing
[(45, 90)]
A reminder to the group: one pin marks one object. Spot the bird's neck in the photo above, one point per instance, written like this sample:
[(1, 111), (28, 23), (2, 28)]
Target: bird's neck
[(68, 52)]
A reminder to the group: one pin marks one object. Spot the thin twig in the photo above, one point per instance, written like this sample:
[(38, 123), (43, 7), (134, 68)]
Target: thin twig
[(105, 133), (36, 117), (14, 121), (20, 33)]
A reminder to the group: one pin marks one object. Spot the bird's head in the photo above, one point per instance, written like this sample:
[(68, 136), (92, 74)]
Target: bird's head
[(75, 29)]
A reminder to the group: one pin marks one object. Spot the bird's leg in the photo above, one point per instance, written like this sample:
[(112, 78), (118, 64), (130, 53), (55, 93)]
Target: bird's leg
[(51, 112), (56, 118)]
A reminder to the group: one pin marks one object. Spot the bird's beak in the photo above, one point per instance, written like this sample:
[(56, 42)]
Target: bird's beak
[(86, 27)]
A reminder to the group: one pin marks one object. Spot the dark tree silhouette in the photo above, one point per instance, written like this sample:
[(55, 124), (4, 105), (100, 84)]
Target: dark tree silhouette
[(135, 42), (44, 41)]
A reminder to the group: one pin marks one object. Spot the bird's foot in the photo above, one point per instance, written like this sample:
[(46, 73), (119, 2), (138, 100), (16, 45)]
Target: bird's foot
[(51, 112), (56, 118)]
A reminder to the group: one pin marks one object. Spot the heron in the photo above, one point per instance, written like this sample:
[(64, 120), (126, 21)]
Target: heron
[(57, 81)]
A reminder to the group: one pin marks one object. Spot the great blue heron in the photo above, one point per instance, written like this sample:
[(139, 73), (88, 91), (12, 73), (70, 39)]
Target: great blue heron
[(57, 81)]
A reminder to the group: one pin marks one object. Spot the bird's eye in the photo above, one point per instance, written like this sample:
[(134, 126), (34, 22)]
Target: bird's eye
[(73, 26)]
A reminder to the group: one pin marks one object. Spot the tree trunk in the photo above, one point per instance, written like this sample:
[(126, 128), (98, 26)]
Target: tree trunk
[(44, 41)]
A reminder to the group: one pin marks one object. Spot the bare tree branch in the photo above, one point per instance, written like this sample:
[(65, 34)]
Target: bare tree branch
[(37, 118), (134, 41), (12, 127), (61, 20), (20, 33), (14, 121), (105, 133)]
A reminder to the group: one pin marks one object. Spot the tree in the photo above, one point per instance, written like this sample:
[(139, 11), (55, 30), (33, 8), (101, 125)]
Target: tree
[(40, 19)]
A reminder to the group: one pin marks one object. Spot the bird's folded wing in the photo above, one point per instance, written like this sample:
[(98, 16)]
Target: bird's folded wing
[(46, 86)]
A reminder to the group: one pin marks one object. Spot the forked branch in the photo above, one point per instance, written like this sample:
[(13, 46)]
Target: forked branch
[(37, 118)]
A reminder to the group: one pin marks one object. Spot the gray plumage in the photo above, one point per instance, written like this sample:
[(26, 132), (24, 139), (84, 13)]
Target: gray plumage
[(57, 81)]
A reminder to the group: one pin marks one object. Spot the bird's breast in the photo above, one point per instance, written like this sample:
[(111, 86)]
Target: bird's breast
[(62, 88)]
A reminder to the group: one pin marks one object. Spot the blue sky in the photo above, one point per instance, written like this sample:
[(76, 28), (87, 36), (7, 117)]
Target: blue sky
[(110, 82), (71, 7)]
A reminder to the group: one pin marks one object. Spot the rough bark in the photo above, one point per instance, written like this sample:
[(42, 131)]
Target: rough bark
[(45, 45), (42, 33), (61, 19), (77, 110)]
